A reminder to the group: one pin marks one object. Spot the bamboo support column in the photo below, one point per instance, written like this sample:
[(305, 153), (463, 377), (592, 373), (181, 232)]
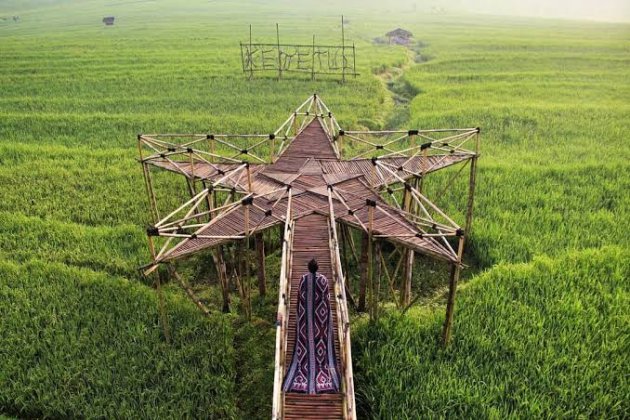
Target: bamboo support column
[(370, 261), (313, 61), (343, 52), (408, 275), (162, 308), (377, 286), (456, 268), (246, 280), (350, 239), (363, 264), (240, 277), (344, 251), (190, 183), (409, 257), (272, 149), (260, 255), (219, 263), (340, 137), (279, 52), (150, 193), (450, 304), (161, 302), (251, 59)]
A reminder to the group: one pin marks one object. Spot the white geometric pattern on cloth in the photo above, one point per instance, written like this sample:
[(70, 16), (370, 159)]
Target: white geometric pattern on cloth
[(313, 367)]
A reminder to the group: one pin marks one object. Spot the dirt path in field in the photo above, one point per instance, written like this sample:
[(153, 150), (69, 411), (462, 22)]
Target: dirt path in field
[(401, 91)]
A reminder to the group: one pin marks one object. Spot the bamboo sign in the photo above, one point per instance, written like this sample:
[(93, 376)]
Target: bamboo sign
[(313, 59), (310, 59)]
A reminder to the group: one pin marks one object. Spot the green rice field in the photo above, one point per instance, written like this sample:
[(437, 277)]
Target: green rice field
[(542, 322)]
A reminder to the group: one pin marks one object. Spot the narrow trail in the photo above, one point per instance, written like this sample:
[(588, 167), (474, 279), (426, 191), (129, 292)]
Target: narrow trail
[(401, 91)]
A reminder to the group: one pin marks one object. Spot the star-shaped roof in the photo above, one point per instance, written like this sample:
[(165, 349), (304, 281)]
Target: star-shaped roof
[(310, 176)]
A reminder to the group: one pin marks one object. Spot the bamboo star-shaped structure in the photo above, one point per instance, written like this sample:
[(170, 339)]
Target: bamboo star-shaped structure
[(306, 170), (310, 176)]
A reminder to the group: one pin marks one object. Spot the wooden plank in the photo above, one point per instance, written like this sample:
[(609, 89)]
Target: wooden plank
[(311, 240)]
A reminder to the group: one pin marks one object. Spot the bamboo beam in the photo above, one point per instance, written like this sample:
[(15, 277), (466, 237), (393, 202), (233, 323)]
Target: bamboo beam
[(202, 307)]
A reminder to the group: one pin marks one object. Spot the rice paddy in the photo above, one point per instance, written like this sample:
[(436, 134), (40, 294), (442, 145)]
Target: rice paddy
[(541, 324)]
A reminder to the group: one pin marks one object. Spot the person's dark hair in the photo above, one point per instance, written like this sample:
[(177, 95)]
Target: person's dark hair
[(312, 266)]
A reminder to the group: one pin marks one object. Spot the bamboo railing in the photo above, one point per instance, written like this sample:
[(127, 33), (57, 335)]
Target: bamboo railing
[(343, 317), (282, 320)]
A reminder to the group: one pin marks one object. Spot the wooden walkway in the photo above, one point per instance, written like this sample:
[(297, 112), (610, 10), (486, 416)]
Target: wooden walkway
[(311, 240)]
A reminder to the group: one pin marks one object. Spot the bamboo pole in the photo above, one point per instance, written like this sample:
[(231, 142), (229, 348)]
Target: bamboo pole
[(313, 61), (342, 311), (219, 263), (202, 307), (350, 239), (377, 287), (343, 52), (151, 193), (281, 316), (161, 303), (456, 268), (471, 195), (260, 254), (279, 52), (354, 61), (363, 270), (370, 261), (344, 252), (162, 308), (238, 275), (408, 276), (450, 304), (247, 279), (409, 257), (251, 60)]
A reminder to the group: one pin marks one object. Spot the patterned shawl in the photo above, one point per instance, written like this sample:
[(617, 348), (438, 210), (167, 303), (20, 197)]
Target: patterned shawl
[(313, 367)]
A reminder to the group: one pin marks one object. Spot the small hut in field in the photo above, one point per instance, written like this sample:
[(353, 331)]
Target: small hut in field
[(108, 20), (399, 36)]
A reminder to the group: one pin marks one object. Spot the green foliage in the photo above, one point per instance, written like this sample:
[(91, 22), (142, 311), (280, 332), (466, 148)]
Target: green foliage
[(537, 340), (82, 344)]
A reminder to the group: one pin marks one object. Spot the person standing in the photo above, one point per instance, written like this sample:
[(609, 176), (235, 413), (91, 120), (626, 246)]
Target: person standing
[(313, 368)]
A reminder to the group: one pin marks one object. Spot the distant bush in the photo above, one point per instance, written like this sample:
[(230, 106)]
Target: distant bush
[(75, 343), (547, 339)]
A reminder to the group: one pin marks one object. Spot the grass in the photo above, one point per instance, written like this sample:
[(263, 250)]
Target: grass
[(549, 237), (78, 343), (548, 338)]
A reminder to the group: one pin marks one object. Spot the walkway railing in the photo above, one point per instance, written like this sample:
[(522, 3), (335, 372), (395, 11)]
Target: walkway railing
[(282, 320), (343, 317)]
